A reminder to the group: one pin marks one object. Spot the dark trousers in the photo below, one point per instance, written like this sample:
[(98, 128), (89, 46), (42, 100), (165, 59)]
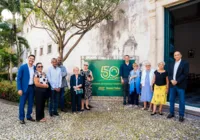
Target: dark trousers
[(28, 95), (126, 90), (62, 98), (172, 97), (40, 97), (134, 98), (76, 101), (53, 103)]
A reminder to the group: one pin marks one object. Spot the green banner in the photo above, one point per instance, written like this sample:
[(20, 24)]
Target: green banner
[(106, 77)]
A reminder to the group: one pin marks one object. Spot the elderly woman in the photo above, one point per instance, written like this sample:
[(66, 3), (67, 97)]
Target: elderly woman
[(88, 86), (41, 86), (76, 82), (161, 84), (146, 82), (134, 81)]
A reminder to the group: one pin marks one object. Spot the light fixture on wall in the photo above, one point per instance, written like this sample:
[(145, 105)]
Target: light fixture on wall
[(191, 53)]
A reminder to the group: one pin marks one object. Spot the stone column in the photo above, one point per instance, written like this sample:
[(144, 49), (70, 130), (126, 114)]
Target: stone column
[(160, 33), (152, 54)]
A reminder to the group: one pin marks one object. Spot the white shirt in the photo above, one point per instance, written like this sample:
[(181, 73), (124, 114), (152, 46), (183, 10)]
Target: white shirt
[(176, 68), (151, 74), (54, 77), (31, 72)]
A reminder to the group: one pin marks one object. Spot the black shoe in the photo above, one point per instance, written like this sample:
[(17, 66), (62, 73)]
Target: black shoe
[(87, 108), (22, 122), (181, 119), (51, 114), (82, 110), (170, 116), (153, 113), (56, 114), (124, 103), (160, 113), (62, 110), (31, 119)]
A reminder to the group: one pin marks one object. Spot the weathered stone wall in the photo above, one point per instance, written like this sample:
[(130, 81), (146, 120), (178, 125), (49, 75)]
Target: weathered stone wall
[(126, 33)]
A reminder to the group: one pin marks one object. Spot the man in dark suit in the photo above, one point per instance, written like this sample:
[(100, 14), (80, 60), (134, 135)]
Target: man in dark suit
[(178, 72), (25, 87)]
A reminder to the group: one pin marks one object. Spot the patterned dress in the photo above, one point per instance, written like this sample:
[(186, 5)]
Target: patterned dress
[(42, 77), (88, 85)]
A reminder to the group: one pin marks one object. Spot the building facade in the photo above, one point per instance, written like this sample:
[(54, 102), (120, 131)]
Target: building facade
[(138, 31)]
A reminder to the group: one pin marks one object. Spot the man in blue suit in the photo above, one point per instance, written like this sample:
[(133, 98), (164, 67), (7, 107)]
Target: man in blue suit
[(25, 87), (178, 73)]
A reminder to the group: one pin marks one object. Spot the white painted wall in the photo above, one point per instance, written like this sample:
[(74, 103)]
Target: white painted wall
[(128, 33)]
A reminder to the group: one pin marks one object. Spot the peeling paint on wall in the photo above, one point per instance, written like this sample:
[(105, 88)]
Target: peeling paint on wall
[(126, 33)]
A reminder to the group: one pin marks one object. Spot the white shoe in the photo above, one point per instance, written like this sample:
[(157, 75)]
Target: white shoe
[(130, 106)]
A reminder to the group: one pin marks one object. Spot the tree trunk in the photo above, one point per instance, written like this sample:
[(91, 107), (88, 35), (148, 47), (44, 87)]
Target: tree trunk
[(60, 49), (18, 62), (11, 75)]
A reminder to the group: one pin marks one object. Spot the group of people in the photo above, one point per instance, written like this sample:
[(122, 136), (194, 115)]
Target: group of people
[(152, 86), (32, 83)]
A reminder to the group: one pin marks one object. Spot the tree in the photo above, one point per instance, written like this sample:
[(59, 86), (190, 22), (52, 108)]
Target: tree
[(7, 40), (20, 7), (67, 19)]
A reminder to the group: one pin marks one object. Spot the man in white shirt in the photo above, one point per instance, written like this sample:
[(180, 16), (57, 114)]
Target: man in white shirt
[(55, 79), (178, 73)]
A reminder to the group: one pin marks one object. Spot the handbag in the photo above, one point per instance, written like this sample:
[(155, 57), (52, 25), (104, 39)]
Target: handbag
[(80, 91)]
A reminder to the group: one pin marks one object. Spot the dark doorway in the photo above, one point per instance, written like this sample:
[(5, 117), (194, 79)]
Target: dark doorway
[(182, 32)]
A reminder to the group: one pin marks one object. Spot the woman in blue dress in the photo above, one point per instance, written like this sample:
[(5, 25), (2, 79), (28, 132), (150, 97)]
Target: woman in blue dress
[(146, 82), (134, 81)]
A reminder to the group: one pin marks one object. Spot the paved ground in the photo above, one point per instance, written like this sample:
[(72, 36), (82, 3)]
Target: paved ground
[(107, 120)]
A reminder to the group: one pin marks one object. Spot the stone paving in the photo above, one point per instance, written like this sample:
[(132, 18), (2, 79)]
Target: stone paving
[(107, 120)]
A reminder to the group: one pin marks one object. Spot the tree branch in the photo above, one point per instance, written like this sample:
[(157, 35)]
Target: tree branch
[(75, 44)]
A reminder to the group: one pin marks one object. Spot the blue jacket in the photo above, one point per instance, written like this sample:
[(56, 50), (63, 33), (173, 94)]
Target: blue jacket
[(73, 81), (23, 77), (137, 81)]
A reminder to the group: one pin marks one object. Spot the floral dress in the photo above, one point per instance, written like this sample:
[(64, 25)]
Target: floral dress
[(88, 85)]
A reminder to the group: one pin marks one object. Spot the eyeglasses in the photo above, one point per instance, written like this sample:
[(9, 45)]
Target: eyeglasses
[(86, 65), (39, 66)]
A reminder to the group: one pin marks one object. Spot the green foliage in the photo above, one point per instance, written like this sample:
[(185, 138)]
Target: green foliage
[(6, 39), (8, 91), (22, 7), (5, 76), (5, 56), (67, 98)]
